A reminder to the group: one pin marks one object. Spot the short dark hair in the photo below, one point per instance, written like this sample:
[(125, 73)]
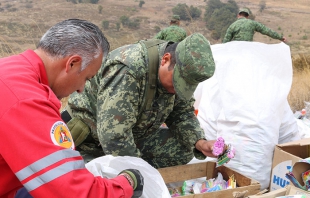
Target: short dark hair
[(243, 14), (171, 50), (174, 22)]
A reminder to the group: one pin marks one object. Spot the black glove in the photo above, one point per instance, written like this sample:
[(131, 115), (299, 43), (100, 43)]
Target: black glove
[(135, 179)]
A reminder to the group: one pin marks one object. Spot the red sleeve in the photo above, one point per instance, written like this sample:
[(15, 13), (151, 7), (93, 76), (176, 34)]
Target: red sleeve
[(37, 147)]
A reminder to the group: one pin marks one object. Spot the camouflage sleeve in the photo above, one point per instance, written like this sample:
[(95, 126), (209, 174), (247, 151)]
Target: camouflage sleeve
[(117, 109), (83, 105), (229, 35), (184, 35), (183, 122), (159, 35), (266, 31)]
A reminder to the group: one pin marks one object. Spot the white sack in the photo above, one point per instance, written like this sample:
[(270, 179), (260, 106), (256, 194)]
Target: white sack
[(304, 127), (109, 167), (245, 102)]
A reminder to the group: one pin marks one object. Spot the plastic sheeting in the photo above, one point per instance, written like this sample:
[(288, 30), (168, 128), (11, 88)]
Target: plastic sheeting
[(109, 167), (245, 102)]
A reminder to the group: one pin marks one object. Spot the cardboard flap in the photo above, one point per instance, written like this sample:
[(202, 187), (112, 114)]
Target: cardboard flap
[(298, 169), (272, 194), (292, 190), (183, 172), (241, 180), (302, 142)]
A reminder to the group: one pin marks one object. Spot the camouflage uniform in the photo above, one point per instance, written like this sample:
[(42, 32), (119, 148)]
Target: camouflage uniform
[(172, 33), (243, 30), (111, 103)]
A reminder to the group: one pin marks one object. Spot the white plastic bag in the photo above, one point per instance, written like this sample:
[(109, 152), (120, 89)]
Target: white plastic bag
[(109, 167), (245, 102)]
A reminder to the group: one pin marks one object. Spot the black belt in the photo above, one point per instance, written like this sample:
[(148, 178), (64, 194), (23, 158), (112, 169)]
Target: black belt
[(65, 116)]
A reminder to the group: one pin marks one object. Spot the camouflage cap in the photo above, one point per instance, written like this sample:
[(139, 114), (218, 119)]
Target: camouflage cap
[(194, 64), (175, 18), (245, 10)]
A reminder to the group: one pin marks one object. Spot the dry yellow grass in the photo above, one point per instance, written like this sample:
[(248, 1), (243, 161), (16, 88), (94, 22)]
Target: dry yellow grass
[(300, 90)]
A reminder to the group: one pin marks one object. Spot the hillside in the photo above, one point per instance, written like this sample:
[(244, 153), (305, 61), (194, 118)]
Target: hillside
[(23, 22)]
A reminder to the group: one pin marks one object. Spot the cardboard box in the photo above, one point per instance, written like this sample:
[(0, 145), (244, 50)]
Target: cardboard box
[(272, 194), (288, 190), (207, 169), (285, 155), (292, 190)]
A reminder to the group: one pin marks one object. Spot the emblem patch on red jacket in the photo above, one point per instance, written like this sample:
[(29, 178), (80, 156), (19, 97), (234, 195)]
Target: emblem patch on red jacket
[(61, 135)]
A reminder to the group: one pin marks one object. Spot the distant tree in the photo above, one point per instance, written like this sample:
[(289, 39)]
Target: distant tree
[(182, 10), (141, 3), (262, 5), (105, 24), (133, 24), (212, 5), (194, 12), (124, 20), (100, 9), (185, 12), (94, 1), (232, 6), (72, 1), (219, 16)]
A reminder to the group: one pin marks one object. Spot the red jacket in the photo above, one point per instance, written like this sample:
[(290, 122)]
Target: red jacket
[(36, 147)]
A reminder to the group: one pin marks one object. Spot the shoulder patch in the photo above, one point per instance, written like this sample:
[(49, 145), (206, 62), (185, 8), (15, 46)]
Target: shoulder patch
[(61, 136)]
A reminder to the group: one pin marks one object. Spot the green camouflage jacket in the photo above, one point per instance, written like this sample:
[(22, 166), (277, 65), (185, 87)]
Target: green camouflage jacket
[(243, 30), (172, 33), (111, 102)]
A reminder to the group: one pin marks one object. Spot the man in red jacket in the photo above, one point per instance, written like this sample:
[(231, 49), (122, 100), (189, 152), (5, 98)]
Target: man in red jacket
[(36, 148)]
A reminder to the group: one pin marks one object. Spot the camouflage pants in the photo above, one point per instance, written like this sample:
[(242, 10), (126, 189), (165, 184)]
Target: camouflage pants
[(162, 149)]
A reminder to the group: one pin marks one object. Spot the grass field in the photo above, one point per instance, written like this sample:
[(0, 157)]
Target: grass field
[(23, 22)]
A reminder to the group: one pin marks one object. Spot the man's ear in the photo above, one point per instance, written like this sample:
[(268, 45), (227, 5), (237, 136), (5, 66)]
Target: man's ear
[(166, 58), (74, 62)]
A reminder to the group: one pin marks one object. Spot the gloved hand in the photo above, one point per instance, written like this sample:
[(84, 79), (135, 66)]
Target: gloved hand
[(135, 179)]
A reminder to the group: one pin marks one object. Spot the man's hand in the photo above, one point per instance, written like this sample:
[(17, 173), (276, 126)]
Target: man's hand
[(135, 179), (205, 147)]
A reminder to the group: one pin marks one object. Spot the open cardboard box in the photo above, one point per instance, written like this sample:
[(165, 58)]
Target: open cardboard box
[(208, 169), (298, 169), (292, 190), (285, 155), (288, 190)]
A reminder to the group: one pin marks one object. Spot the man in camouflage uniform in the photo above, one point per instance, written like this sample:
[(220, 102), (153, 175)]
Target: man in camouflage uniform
[(244, 28), (173, 32), (110, 108)]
